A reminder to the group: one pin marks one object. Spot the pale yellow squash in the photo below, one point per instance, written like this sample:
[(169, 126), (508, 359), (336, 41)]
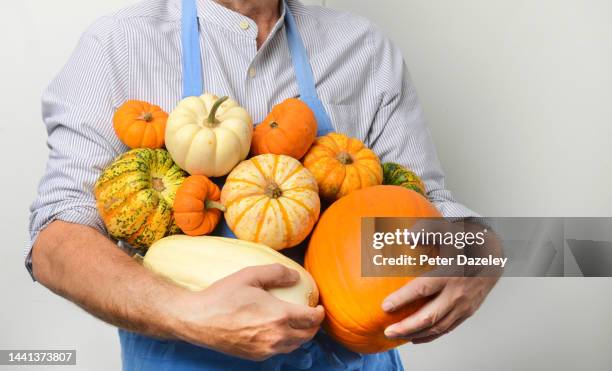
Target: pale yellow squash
[(271, 199), (197, 262)]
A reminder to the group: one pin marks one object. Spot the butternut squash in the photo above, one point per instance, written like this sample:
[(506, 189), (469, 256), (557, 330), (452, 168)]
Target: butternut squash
[(195, 263)]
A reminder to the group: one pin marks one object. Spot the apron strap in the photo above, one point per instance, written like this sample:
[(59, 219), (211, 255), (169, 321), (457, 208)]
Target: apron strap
[(192, 57), (303, 74)]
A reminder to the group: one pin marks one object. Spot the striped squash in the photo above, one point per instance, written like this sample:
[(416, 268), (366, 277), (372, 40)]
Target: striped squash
[(135, 194), (271, 199), (396, 174)]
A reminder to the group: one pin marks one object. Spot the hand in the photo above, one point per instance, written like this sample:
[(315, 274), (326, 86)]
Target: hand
[(452, 299), (237, 316), (457, 298)]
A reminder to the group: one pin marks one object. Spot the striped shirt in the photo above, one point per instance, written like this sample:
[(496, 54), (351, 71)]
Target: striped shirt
[(135, 53)]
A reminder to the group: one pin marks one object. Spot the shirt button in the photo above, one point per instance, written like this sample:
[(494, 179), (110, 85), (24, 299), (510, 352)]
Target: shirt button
[(252, 72), (244, 25)]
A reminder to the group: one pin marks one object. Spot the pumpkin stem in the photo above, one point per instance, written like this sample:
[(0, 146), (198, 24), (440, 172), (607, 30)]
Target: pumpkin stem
[(273, 124), (213, 111), (147, 116), (273, 190), (158, 185), (345, 158), (210, 204)]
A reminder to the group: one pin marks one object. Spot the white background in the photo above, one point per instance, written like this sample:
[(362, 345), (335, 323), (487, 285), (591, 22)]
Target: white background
[(519, 99)]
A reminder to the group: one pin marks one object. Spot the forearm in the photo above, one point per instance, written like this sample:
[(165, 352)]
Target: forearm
[(82, 265), (235, 315)]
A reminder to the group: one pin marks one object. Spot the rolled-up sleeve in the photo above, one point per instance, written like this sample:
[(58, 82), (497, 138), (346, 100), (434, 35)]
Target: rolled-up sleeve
[(77, 110), (399, 132)]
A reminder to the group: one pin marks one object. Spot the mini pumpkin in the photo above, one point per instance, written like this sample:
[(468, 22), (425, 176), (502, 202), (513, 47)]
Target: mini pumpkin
[(139, 124), (208, 135), (396, 174), (135, 194), (342, 165), (197, 208), (290, 129), (271, 199)]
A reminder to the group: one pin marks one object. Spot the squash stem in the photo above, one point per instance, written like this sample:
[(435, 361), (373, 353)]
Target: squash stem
[(210, 204), (345, 158), (213, 111), (158, 184), (147, 117), (273, 190)]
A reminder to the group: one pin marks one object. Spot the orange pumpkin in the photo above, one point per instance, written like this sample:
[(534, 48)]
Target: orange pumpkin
[(342, 165), (197, 209), (290, 129), (352, 302), (140, 124)]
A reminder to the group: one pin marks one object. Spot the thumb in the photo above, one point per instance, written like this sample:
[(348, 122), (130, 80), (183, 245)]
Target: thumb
[(270, 276)]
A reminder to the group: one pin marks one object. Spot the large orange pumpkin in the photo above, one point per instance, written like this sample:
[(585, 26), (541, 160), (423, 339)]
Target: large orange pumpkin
[(288, 130), (140, 124), (197, 208), (342, 165), (354, 316)]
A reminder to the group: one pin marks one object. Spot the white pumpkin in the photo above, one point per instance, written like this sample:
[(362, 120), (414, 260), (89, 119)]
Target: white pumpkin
[(208, 135), (195, 263)]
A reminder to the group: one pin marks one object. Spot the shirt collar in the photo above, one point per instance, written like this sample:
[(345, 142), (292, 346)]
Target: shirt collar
[(209, 11)]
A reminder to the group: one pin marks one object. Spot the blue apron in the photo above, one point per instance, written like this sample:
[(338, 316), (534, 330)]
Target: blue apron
[(139, 352)]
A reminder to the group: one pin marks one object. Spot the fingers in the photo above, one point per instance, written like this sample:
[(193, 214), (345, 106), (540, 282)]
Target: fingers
[(269, 276), (459, 300), (429, 317), (419, 288), (428, 335), (303, 317), (301, 326), (294, 338)]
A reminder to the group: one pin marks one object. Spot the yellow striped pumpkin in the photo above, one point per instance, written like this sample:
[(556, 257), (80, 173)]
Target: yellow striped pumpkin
[(271, 199), (135, 194)]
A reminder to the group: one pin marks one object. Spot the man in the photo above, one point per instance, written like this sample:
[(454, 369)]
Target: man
[(249, 50)]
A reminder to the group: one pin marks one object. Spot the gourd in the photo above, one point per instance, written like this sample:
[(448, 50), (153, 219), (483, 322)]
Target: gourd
[(271, 199), (135, 194), (139, 124), (342, 165), (290, 129), (208, 135), (353, 302), (197, 208), (195, 263), (396, 174)]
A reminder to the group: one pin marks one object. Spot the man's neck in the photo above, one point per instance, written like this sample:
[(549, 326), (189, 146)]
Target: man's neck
[(265, 13)]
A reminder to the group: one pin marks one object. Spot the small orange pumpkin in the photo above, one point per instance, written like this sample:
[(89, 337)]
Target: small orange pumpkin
[(197, 209), (342, 165), (290, 129), (139, 124)]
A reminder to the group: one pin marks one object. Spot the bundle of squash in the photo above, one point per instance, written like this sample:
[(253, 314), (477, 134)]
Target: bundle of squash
[(271, 201)]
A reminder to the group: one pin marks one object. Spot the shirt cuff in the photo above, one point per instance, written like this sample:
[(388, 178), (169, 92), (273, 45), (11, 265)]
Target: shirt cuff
[(454, 210)]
